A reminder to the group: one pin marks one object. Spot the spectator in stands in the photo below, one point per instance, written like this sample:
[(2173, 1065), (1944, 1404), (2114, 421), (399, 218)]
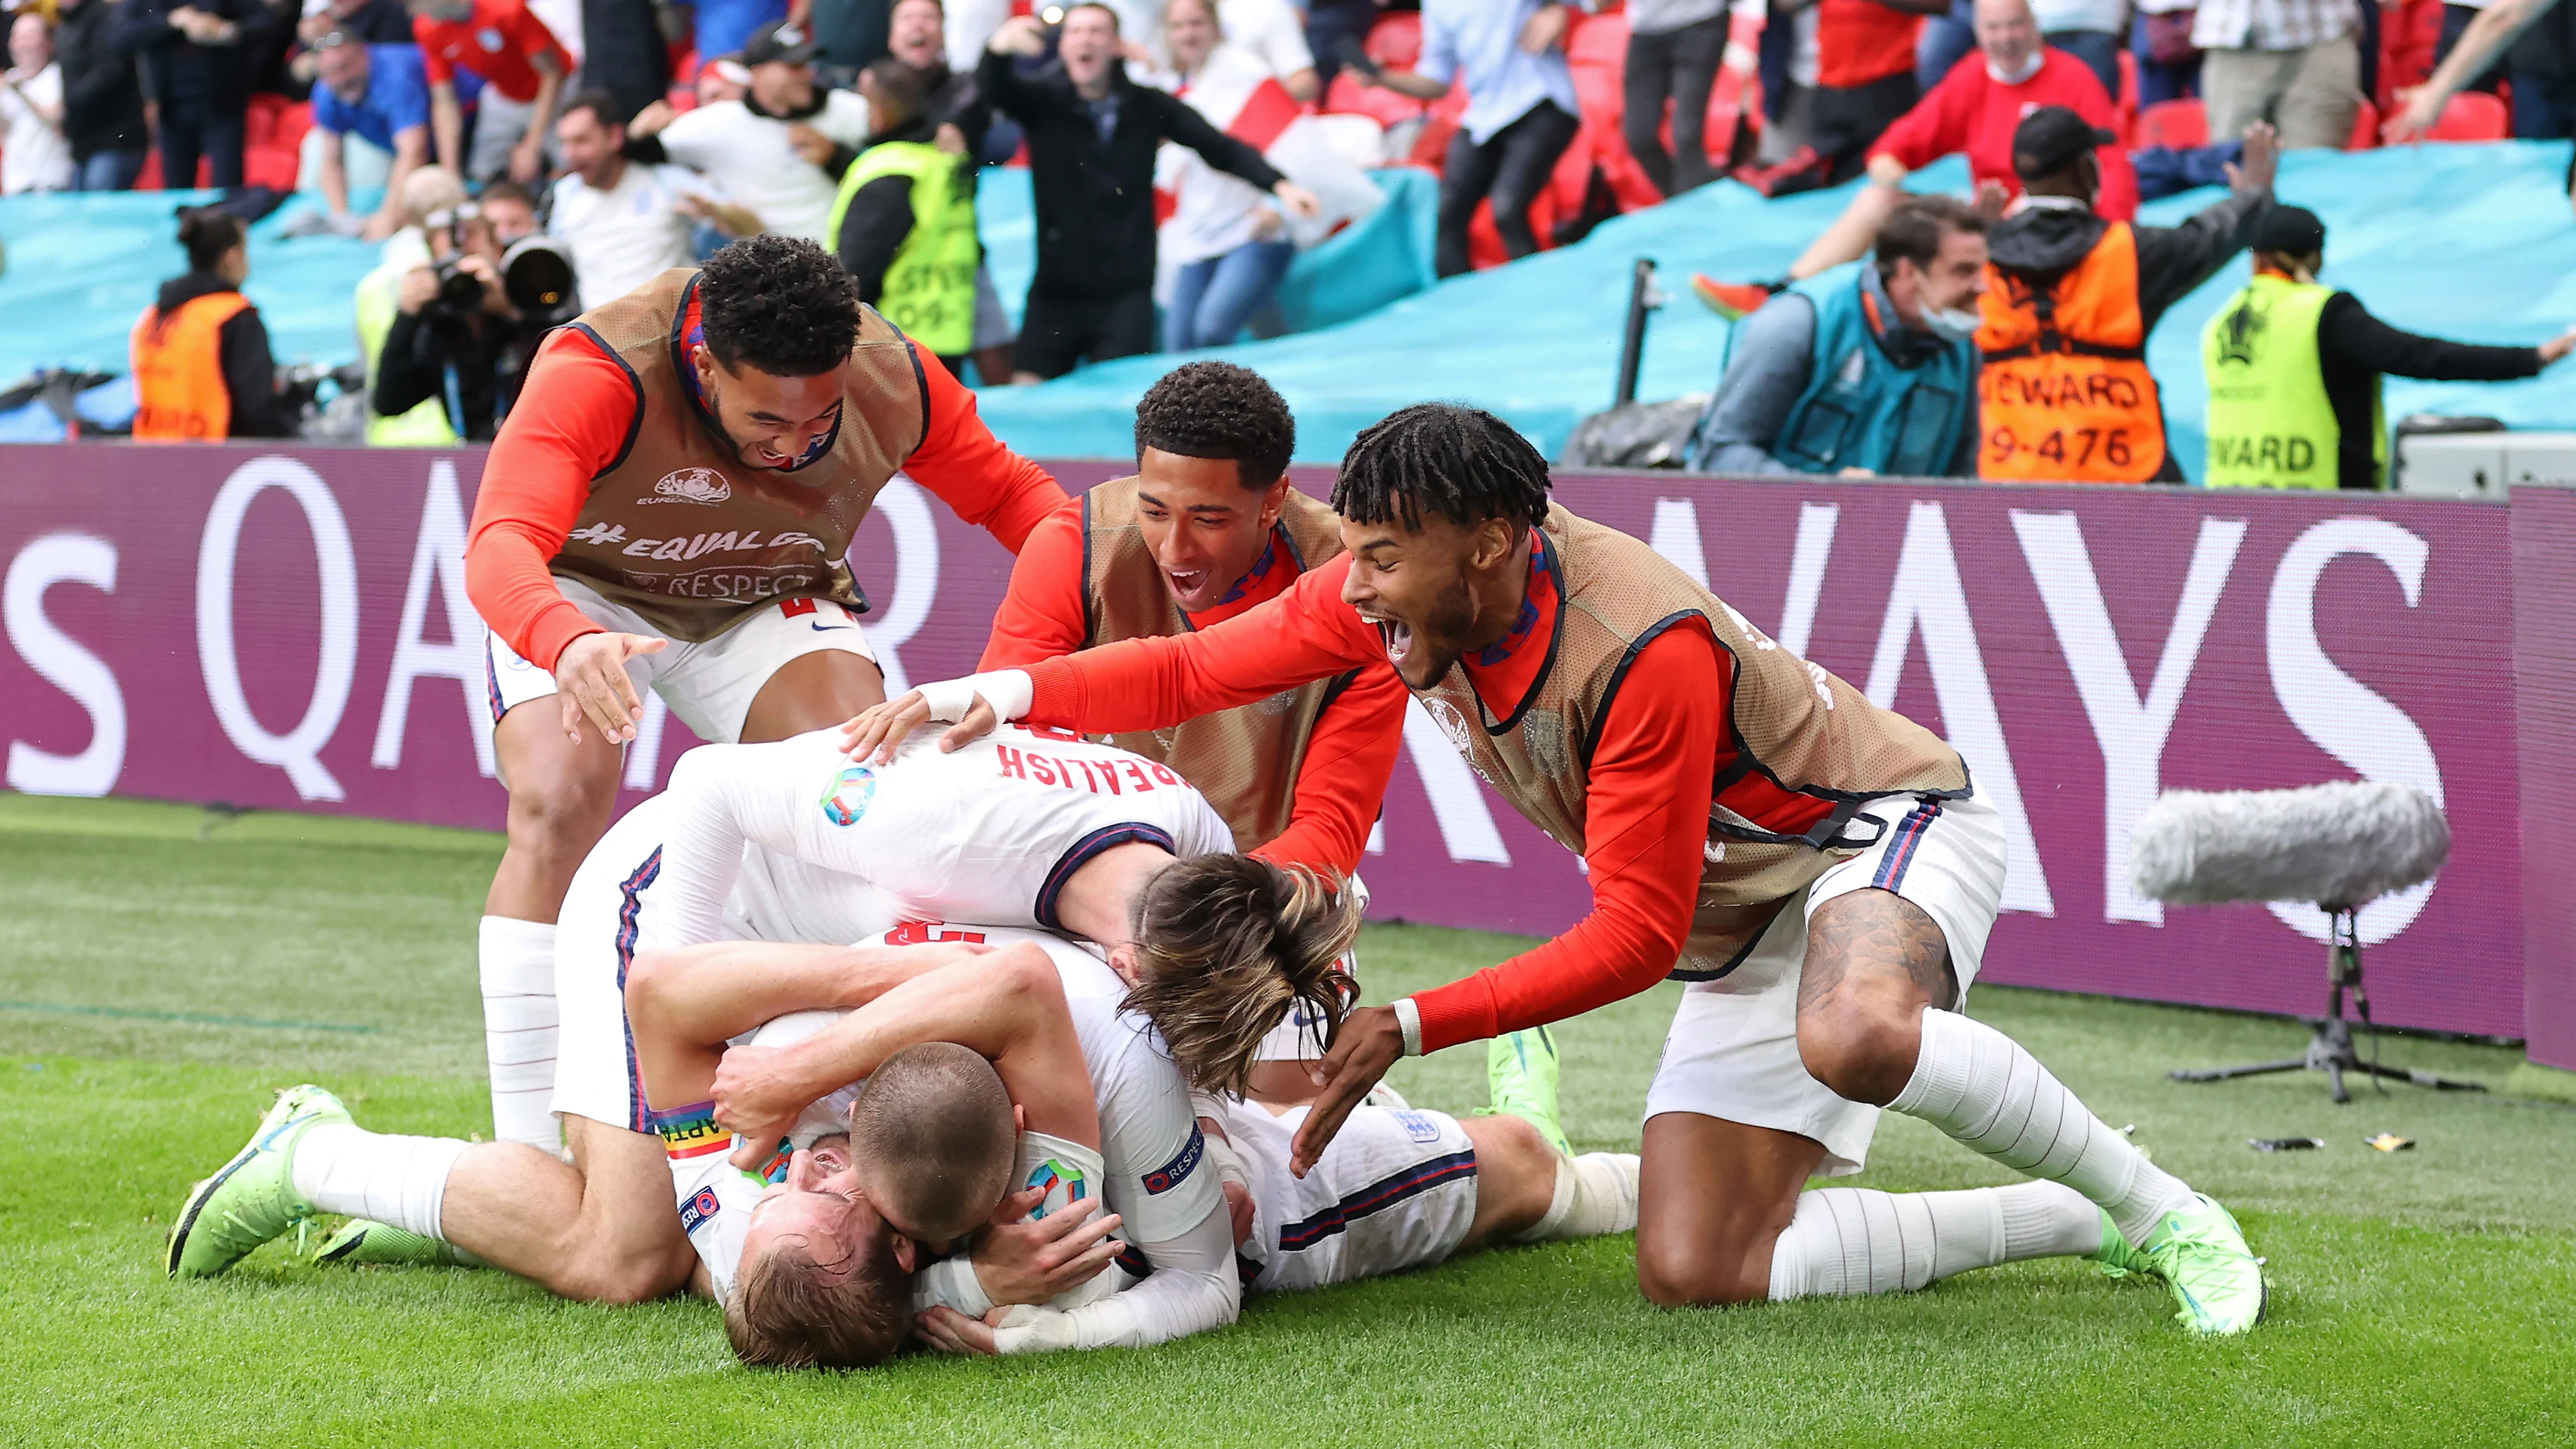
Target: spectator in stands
[(102, 97), (2168, 63), (374, 22), (2538, 40), (200, 352), (2294, 63), (1521, 112), (722, 79), (1092, 135), (779, 151), (1674, 49), (625, 223), (511, 209), (917, 36), (34, 154), (1974, 110), (2072, 299), (380, 94), (2294, 369), (1864, 81), (1228, 238), (522, 67), (624, 54), (202, 57), (457, 337), (904, 225), (1877, 375)]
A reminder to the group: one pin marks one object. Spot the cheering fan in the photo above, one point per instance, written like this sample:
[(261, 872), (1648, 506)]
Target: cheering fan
[(2340, 845)]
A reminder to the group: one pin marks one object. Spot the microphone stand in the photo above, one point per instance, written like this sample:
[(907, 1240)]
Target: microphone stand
[(2330, 1048)]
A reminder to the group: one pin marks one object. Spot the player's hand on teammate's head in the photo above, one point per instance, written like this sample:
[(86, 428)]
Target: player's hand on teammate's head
[(755, 1100), (591, 677), (950, 1331), (1020, 1259), (1369, 1042)]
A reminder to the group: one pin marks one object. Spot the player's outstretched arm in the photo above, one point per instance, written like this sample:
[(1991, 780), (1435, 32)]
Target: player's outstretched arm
[(1008, 1007)]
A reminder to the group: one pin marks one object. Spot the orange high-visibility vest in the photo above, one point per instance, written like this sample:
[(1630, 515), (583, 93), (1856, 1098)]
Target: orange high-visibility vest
[(179, 390), (1860, 41), (2066, 396)]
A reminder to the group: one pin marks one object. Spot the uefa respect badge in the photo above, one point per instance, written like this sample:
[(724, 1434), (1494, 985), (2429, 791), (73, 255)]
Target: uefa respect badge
[(847, 797)]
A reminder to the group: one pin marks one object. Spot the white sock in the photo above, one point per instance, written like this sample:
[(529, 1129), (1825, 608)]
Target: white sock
[(1978, 1085), (519, 1022), (1846, 1241), (401, 1181), (1595, 1194)]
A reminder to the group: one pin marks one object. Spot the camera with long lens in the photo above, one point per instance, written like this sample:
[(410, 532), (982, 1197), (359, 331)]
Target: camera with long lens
[(537, 277)]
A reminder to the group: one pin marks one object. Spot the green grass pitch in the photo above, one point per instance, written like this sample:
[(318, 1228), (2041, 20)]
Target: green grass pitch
[(161, 972)]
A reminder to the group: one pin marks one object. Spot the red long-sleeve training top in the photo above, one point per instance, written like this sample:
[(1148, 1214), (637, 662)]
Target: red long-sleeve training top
[(569, 424), (1350, 752), (1646, 797), (1971, 111)]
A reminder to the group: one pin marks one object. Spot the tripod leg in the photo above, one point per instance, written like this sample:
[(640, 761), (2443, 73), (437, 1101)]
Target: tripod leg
[(2221, 1074), (2421, 1079), (2334, 1079)]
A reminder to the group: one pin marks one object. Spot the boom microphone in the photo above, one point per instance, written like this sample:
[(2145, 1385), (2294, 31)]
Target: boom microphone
[(2338, 845)]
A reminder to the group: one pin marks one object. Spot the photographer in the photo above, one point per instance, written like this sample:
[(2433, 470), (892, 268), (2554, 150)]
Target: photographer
[(456, 320)]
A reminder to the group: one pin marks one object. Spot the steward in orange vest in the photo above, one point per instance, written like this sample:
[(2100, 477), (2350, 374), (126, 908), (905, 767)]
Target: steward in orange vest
[(2065, 395), (201, 363)]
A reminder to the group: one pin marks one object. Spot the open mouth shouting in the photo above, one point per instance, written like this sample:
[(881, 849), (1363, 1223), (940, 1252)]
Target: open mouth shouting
[(1398, 637)]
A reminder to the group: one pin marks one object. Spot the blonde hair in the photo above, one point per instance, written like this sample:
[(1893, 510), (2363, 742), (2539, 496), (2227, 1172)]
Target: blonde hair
[(1226, 947)]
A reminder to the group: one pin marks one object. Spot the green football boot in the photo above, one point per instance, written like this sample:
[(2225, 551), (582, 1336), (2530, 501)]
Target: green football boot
[(2201, 1254), (2117, 1258), (361, 1243), (1520, 1075), (253, 1199)]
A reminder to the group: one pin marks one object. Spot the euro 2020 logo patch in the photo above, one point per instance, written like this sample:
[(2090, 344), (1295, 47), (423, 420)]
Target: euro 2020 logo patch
[(847, 797), (1064, 1185)]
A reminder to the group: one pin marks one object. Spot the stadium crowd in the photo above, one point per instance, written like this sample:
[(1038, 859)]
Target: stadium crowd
[(1183, 153)]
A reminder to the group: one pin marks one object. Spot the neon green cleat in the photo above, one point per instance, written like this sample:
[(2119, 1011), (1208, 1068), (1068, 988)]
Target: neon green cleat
[(1520, 1073), (253, 1199), (2201, 1254), (361, 1243), (2117, 1258)]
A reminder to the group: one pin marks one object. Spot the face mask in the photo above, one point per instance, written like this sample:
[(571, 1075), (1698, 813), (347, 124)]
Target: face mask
[(1952, 324), (2028, 69)]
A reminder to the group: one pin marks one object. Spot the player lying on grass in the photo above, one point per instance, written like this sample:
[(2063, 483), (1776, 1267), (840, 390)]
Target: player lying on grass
[(1209, 527), (824, 1272), (820, 1269), (1819, 868), (600, 1228)]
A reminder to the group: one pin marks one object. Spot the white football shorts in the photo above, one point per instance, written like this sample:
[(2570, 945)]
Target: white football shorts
[(710, 686), (1395, 1190), (1733, 1049)]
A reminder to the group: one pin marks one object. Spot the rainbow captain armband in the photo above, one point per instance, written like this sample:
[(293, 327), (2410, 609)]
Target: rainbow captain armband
[(691, 1132)]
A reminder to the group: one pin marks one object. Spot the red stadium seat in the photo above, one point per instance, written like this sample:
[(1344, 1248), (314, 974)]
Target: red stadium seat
[(1347, 96), (270, 166), (2365, 129), (2181, 124), (2124, 106), (292, 123), (2473, 116)]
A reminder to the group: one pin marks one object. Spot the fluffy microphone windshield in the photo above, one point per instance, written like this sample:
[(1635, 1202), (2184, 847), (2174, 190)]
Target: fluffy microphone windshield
[(2343, 844)]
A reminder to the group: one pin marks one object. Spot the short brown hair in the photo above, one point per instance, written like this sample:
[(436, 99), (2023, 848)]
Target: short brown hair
[(1914, 230), (1226, 947), (932, 1137), (789, 1311)]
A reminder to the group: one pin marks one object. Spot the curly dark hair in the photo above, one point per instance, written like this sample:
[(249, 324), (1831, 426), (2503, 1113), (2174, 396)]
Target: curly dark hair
[(1219, 410), (1464, 464), (779, 305)]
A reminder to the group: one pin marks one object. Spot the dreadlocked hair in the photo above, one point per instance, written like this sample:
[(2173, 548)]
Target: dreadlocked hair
[(1463, 464), (779, 305), (1219, 410), (1226, 947)]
